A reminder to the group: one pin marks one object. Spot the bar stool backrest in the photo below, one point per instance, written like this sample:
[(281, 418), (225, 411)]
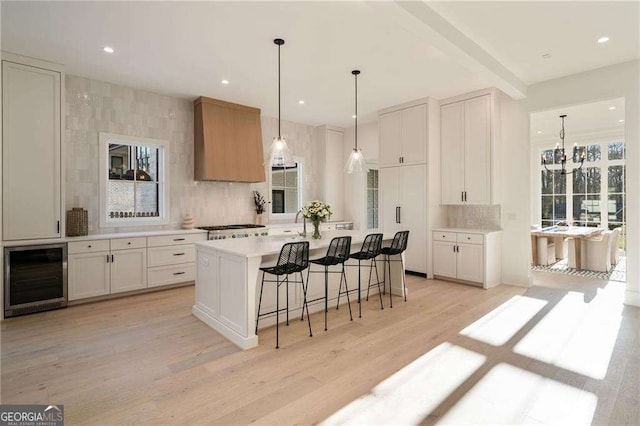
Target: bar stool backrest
[(294, 257), (372, 245), (339, 250), (399, 243)]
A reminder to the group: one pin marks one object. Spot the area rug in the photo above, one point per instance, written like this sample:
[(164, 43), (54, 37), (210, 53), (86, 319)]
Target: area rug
[(618, 273)]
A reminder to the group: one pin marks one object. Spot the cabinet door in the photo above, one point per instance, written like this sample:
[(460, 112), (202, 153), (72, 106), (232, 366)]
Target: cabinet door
[(477, 150), (389, 184), (413, 215), (470, 262), (452, 152), (30, 152), (414, 135), (334, 181), (390, 139), (444, 259), (88, 275), (128, 270)]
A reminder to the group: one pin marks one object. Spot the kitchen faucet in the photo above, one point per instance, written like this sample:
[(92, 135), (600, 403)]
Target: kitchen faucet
[(304, 224)]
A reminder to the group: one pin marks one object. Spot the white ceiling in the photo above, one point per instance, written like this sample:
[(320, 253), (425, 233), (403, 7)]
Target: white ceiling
[(581, 119), (518, 33), (185, 49)]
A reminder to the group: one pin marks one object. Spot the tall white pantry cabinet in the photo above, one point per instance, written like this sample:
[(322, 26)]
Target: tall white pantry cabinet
[(33, 122), (409, 139)]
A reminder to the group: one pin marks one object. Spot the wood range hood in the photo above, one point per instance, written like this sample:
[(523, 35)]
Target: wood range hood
[(228, 142)]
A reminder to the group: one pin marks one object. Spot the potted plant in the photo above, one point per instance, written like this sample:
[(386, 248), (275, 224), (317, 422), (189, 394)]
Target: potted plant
[(259, 202), (316, 211), (563, 225)]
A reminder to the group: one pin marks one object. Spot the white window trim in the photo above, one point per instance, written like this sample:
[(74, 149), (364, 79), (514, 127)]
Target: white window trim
[(105, 221), (286, 216)]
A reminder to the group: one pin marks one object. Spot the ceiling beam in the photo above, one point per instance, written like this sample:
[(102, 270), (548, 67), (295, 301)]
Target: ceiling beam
[(420, 19)]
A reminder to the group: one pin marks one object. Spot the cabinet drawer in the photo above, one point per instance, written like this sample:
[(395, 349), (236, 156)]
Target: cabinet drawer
[(171, 255), (128, 243), (170, 240), (471, 238), (444, 236), (79, 247), (165, 275)]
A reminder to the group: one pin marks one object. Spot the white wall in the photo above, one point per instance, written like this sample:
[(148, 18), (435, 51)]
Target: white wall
[(615, 81)]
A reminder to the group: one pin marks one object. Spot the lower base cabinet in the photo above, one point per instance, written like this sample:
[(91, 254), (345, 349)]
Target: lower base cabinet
[(471, 258), (89, 275), (128, 270)]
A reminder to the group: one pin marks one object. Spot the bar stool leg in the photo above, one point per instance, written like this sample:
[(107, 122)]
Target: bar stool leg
[(260, 302), (404, 280), (375, 265), (346, 286), (287, 288), (326, 295), (304, 303), (308, 271), (277, 311), (390, 293), (339, 291), (359, 304)]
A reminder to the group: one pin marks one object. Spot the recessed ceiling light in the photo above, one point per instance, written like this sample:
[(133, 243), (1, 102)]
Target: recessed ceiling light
[(603, 39), (225, 82), (301, 102), (620, 121), (611, 108), (539, 132), (108, 49)]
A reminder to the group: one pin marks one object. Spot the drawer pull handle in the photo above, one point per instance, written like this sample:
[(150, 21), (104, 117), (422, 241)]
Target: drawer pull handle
[(178, 273), (178, 239), (178, 254), (89, 246), (468, 238), (129, 243)]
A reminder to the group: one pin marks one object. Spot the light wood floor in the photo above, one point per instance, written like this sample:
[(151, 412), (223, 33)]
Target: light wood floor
[(146, 359)]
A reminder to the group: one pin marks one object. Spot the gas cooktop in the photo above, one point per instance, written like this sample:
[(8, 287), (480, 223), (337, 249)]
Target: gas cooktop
[(230, 227)]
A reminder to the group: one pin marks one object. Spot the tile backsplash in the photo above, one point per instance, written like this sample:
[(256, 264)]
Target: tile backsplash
[(474, 217), (95, 106)]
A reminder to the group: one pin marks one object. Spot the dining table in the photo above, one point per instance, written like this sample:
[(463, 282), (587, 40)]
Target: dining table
[(578, 233)]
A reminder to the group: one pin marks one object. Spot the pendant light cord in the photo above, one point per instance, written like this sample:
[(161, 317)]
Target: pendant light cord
[(279, 136), (356, 132)]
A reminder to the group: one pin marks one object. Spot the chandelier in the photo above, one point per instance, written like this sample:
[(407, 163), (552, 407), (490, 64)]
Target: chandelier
[(560, 152)]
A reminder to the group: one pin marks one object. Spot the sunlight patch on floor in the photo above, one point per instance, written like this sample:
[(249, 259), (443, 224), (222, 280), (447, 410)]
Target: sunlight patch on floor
[(575, 335), (501, 324), (508, 395), (409, 395)]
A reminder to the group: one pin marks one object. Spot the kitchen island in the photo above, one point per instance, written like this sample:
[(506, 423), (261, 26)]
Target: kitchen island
[(228, 282)]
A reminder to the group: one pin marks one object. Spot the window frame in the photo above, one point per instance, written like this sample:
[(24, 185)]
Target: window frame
[(286, 216), (371, 166), (163, 180)]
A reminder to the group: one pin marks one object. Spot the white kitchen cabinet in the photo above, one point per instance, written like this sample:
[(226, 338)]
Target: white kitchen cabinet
[(330, 141), (403, 136), (466, 148), (128, 270), (171, 259), (404, 205), (31, 148), (467, 256), (89, 275)]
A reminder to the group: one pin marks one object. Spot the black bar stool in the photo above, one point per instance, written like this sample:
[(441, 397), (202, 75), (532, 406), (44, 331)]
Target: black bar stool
[(398, 246), (370, 249), (337, 254), (293, 259)]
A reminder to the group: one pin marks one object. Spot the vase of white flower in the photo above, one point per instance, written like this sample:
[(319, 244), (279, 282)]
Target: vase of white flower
[(316, 211)]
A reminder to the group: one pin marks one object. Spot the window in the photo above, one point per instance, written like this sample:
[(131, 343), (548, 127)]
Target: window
[(286, 189), (372, 199), (585, 195), (132, 180)]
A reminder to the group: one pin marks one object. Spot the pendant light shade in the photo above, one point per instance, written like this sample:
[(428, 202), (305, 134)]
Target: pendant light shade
[(279, 154), (356, 162)]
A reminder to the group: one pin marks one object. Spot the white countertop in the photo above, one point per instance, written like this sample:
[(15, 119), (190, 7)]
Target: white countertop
[(467, 230), (293, 224), (102, 237), (264, 246)]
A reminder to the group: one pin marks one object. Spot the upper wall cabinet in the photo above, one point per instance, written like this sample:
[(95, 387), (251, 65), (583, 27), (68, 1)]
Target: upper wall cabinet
[(228, 142), (31, 148), (468, 129), (403, 136)]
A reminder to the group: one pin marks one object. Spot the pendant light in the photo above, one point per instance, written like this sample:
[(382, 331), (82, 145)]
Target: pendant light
[(560, 153), (356, 162), (279, 154)]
